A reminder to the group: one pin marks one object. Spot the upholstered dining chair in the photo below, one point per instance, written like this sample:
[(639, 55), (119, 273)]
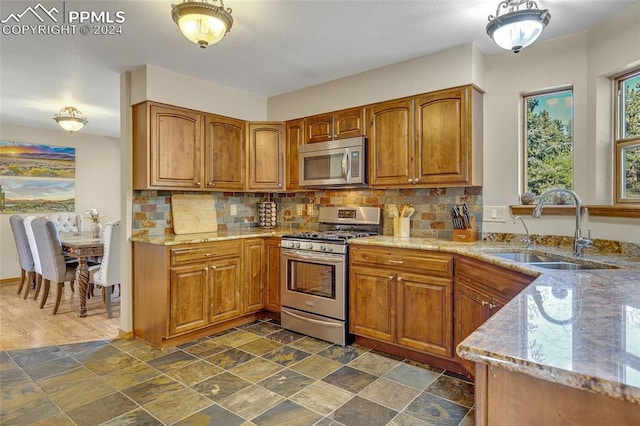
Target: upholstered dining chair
[(66, 222), (107, 274), (27, 269), (52, 262), (34, 253)]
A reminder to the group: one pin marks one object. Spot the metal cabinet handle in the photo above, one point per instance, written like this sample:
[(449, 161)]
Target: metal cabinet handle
[(410, 180), (209, 254), (391, 277), (399, 278), (491, 306), (484, 303), (416, 180), (396, 262), (198, 184)]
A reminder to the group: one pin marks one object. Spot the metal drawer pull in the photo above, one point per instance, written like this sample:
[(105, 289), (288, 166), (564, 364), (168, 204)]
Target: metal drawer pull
[(397, 262), (209, 254)]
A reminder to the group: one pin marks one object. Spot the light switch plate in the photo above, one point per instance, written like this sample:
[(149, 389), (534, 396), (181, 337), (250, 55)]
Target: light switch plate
[(494, 214), (233, 210), (299, 209)]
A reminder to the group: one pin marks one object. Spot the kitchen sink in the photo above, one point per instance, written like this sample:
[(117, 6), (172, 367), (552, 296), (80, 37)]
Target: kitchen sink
[(549, 261)]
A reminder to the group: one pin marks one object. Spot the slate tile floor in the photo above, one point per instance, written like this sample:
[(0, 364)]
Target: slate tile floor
[(258, 374)]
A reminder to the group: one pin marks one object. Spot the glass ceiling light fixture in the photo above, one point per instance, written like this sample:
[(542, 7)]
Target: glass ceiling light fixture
[(517, 28), (201, 22), (70, 119)]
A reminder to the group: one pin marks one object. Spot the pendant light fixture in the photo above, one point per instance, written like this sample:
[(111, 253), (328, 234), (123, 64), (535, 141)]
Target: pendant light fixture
[(70, 119), (201, 22), (517, 28)]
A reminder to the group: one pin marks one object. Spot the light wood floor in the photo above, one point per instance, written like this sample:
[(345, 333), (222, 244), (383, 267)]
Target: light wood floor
[(24, 325)]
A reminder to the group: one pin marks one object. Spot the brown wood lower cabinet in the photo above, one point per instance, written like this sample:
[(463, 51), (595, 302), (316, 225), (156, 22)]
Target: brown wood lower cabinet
[(183, 292), (272, 275), (480, 290), (402, 297)]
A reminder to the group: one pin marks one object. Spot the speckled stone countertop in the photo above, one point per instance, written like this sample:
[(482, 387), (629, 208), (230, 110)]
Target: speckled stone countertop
[(209, 237), (577, 328)]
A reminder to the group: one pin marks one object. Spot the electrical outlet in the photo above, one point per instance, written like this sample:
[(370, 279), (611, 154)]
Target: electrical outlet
[(233, 210), (494, 214), (299, 209), (310, 209)]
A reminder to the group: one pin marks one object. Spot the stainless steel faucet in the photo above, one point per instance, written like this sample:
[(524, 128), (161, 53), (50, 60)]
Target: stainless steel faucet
[(526, 239), (579, 243)]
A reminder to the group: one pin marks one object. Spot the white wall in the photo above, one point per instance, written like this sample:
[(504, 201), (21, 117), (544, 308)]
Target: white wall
[(454, 67), (97, 182), (157, 84)]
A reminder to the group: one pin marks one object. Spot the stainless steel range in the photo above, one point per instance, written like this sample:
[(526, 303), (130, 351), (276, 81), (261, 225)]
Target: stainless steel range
[(315, 275)]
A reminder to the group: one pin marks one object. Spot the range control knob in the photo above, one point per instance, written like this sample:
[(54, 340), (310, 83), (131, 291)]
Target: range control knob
[(296, 245), (309, 246), (322, 247), (329, 248)]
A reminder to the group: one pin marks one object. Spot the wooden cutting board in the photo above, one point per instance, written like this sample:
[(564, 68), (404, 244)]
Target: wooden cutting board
[(193, 214)]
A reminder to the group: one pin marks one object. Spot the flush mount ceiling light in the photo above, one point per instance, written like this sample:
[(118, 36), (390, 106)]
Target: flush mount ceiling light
[(517, 28), (70, 119), (202, 22)]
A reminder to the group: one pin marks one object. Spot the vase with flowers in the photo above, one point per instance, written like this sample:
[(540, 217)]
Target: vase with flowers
[(96, 226)]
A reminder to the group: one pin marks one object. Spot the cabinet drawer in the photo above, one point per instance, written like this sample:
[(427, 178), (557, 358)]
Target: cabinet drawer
[(198, 252), (407, 259)]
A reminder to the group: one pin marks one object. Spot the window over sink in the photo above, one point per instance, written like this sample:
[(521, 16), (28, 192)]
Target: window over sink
[(627, 137)]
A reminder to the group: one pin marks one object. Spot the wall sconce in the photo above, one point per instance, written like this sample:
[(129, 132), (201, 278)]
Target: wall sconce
[(201, 22), (517, 28), (70, 119)]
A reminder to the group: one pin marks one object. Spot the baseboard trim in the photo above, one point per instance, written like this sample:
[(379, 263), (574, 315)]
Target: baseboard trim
[(125, 334), (9, 280)]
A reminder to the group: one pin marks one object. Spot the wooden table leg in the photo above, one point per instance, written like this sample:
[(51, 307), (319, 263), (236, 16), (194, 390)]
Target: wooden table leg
[(82, 276)]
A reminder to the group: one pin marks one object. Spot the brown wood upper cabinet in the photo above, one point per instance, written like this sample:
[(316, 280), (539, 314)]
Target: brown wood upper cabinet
[(431, 139), (266, 156), (178, 148), (295, 138), (341, 124)]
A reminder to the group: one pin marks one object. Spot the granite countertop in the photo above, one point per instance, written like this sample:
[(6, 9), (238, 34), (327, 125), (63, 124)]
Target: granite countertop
[(209, 237), (577, 328)]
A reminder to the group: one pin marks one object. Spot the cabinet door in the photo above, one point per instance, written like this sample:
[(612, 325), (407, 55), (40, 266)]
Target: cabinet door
[(266, 156), (295, 138), (272, 268), (225, 285), (471, 310), (391, 143), (175, 148), (224, 153), (320, 128), (424, 313), (442, 137), (348, 123), (252, 262), (372, 299), (188, 296)]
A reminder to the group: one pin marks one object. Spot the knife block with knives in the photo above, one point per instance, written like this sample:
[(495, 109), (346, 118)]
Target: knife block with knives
[(465, 228)]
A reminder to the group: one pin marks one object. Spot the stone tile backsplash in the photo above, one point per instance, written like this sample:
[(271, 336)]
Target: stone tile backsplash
[(152, 209)]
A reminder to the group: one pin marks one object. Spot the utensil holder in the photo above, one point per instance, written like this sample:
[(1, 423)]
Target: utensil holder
[(401, 227), (468, 235)]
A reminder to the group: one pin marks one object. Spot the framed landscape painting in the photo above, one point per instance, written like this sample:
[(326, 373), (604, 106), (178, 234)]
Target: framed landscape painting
[(31, 160), (36, 196), (36, 178)]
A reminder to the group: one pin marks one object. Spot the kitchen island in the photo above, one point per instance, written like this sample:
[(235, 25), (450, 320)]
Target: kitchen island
[(565, 350)]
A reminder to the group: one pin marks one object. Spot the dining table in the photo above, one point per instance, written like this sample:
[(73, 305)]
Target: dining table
[(82, 246)]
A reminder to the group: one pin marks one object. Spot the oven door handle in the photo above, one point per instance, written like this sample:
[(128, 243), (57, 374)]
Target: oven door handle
[(300, 317), (334, 259)]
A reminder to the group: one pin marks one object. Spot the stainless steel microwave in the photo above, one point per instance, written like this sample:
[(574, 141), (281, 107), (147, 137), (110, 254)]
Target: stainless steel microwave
[(341, 163)]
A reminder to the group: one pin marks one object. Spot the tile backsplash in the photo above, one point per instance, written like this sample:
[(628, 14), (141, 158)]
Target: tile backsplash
[(152, 209)]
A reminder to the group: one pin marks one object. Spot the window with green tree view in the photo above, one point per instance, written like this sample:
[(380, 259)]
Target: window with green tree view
[(548, 141), (627, 137)]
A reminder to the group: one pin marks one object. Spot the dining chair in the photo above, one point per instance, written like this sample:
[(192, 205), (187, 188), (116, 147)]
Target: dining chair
[(25, 258), (107, 274), (54, 267), (34, 254), (66, 221)]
